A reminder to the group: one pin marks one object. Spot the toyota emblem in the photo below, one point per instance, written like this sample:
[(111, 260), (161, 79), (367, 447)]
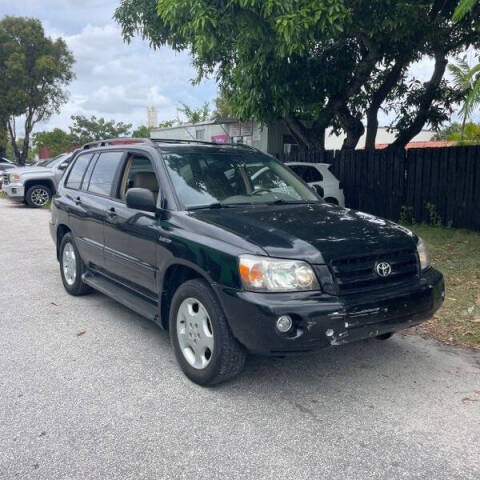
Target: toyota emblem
[(383, 269)]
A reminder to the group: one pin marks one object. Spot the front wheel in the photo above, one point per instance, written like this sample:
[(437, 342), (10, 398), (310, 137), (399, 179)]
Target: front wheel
[(38, 196), (202, 341)]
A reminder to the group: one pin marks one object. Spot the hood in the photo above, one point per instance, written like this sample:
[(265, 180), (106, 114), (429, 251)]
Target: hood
[(28, 170), (316, 233)]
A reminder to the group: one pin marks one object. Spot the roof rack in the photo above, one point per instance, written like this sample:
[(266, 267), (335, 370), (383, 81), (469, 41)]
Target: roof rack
[(115, 141), (154, 142)]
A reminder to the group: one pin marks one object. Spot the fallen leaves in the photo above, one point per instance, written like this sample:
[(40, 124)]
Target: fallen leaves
[(81, 332)]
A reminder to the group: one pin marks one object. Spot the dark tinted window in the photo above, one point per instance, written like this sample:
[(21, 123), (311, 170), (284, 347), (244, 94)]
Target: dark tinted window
[(78, 170), (307, 173), (104, 173)]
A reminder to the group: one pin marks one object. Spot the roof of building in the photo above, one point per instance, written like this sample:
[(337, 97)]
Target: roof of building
[(421, 144)]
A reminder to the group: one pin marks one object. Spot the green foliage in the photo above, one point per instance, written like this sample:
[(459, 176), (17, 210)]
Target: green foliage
[(141, 132), (469, 135), (433, 217), (195, 115), (407, 216), (86, 130), (57, 141), (222, 108), (10, 152), (34, 70), (167, 124), (463, 8), (447, 132), (314, 63)]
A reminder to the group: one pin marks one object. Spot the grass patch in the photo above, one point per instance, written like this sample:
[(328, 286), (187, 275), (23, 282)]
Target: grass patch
[(456, 253), (3, 195)]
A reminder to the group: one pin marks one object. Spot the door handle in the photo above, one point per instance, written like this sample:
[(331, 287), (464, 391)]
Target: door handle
[(78, 200), (111, 212)]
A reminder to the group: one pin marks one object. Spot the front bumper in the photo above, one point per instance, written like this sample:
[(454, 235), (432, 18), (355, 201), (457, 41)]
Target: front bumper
[(323, 320), (14, 191)]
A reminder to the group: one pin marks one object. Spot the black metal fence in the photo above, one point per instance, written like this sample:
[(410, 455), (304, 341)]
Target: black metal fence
[(432, 185)]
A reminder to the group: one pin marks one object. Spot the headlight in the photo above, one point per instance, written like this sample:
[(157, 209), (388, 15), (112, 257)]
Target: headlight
[(423, 254), (14, 177), (276, 275)]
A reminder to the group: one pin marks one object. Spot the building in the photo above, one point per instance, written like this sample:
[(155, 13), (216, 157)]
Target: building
[(274, 138), (152, 120)]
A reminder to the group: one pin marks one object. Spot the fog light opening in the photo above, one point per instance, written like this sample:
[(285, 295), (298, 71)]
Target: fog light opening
[(284, 323), (329, 332)]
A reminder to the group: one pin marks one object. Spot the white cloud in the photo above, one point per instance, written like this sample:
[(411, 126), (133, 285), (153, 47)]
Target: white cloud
[(114, 80)]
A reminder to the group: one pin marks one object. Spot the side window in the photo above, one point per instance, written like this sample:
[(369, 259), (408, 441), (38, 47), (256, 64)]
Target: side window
[(103, 173), (307, 173), (138, 173), (77, 172)]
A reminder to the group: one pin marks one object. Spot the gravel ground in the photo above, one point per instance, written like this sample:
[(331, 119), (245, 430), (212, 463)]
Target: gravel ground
[(90, 390)]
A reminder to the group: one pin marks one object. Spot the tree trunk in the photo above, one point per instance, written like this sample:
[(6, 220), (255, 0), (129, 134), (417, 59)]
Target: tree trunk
[(377, 100), (405, 136), (13, 141), (352, 126), (3, 138), (307, 138)]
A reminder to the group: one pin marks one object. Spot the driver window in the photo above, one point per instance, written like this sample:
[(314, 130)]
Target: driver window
[(138, 173)]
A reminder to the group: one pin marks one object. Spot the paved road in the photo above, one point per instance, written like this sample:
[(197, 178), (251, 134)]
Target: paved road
[(112, 404)]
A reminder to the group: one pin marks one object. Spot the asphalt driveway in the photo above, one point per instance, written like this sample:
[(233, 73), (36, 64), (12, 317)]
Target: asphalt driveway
[(90, 390)]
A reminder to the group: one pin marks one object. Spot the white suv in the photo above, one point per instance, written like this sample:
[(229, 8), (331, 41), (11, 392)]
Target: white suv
[(319, 176)]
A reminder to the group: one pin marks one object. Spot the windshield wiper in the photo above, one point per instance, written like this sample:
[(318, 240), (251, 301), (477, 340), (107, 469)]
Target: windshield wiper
[(214, 205), (288, 202)]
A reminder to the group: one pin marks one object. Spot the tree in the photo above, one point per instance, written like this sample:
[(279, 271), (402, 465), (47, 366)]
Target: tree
[(34, 69), (446, 133), (195, 115), (167, 123), (141, 132), (469, 135), (314, 63), (57, 141), (86, 130), (467, 81), (222, 108)]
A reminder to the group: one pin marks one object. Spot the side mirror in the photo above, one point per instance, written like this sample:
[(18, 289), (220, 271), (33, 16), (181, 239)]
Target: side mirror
[(63, 166), (141, 199)]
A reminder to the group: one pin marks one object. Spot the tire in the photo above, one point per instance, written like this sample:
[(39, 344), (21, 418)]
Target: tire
[(195, 300), (38, 196), (385, 336), (71, 272)]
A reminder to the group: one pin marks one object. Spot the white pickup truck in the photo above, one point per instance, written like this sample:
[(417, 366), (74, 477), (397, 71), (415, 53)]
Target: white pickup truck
[(35, 185)]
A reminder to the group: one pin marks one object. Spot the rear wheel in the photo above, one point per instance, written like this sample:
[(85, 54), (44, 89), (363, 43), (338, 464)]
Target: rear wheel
[(72, 267), (385, 336), (202, 341), (38, 196)]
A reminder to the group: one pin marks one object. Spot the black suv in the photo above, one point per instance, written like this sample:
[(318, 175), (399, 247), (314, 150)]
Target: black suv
[(187, 235)]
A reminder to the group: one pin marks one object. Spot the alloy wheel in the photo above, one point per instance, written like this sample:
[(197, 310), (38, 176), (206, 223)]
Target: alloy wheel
[(39, 197)]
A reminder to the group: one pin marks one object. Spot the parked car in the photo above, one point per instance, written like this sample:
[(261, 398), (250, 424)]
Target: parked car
[(181, 233), (320, 177), (35, 185), (5, 164)]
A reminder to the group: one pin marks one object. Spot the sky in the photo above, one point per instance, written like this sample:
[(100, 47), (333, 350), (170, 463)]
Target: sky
[(116, 80), (113, 80)]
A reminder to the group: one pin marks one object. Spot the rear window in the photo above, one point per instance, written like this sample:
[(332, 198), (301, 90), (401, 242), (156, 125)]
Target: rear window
[(103, 174), (307, 173), (77, 172)]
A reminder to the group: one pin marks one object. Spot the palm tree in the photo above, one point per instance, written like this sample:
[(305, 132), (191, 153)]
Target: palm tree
[(467, 80), (463, 8)]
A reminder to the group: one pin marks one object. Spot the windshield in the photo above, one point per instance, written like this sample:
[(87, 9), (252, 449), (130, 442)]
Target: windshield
[(205, 179), (53, 162)]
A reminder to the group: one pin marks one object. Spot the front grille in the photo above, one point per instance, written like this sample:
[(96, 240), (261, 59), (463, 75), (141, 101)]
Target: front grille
[(5, 179), (355, 274)]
